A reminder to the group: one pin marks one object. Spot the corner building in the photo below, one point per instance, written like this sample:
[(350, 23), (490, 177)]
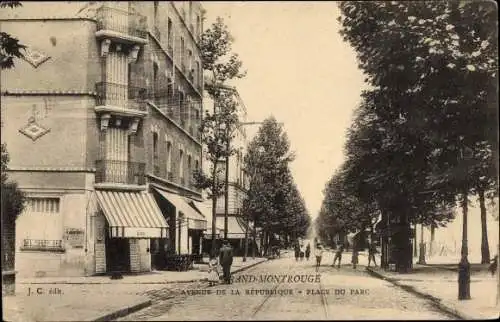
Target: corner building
[(101, 122)]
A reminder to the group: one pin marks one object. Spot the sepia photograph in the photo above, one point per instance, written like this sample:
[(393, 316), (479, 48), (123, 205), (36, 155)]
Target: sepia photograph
[(249, 160)]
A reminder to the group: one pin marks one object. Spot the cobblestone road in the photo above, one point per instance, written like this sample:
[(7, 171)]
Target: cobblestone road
[(341, 294)]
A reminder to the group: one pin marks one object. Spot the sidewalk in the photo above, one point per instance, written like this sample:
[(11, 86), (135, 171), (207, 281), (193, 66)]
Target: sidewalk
[(97, 297), (439, 284)]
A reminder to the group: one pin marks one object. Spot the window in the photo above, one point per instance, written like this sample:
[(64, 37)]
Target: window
[(155, 154), (198, 26), (197, 73), (169, 160), (181, 165), (190, 173), (156, 30), (155, 77), (170, 35), (43, 205), (182, 112), (181, 53), (155, 4)]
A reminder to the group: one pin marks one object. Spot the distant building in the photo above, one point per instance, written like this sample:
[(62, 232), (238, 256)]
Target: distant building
[(238, 182), (101, 122)]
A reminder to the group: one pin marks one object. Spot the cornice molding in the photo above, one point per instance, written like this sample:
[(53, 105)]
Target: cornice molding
[(15, 92), (50, 169)]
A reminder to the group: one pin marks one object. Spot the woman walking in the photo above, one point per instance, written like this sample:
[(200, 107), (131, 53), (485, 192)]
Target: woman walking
[(308, 251), (296, 250)]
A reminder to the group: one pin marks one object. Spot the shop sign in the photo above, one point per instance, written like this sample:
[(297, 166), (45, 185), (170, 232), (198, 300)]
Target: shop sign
[(139, 232), (75, 237)]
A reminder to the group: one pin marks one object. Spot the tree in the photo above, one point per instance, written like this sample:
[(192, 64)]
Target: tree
[(426, 62), (273, 200), (10, 46), (13, 199), (217, 126)]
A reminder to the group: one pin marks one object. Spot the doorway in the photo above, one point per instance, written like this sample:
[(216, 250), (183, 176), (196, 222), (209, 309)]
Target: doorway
[(117, 254)]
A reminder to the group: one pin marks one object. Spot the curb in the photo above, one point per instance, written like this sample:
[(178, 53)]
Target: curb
[(163, 282), (247, 267), (437, 302), (124, 311)]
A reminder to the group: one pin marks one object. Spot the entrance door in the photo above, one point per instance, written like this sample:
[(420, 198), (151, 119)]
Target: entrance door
[(117, 255)]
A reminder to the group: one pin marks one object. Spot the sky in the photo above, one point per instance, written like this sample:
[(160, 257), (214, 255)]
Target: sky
[(301, 71)]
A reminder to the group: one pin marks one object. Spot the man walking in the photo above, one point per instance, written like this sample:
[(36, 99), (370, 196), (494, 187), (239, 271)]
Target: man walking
[(226, 260), (338, 255)]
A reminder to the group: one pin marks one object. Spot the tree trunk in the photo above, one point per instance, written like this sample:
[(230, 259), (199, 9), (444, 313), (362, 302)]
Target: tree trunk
[(226, 192), (384, 242), (214, 208), (485, 248)]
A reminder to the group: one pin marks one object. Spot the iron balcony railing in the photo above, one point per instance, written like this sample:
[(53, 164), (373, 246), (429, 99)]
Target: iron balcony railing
[(112, 171), (121, 21), (131, 97), (42, 244)]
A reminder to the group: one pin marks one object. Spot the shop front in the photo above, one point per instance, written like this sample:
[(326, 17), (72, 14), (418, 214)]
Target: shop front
[(186, 228), (129, 220)]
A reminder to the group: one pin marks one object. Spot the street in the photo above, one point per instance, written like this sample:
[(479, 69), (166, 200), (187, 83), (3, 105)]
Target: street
[(340, 294)]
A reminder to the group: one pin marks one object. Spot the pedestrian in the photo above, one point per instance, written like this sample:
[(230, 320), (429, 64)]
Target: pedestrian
[(213, 270), (338, 255), (308, 251), (302, 251), (372, 250), (318, 253), (226, 260), (355, 254), (297, 251)]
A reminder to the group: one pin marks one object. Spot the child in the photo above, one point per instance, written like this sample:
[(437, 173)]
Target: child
[(354, 259), (213, 271), (318, 253)]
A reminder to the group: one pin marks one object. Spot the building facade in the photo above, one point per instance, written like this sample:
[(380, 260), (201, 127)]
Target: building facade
[(238, 180), (101, 122)]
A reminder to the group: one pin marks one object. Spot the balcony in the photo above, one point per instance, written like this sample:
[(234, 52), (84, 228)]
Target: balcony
[(121, 98), (123, 172), (42, 245), (121, 25)]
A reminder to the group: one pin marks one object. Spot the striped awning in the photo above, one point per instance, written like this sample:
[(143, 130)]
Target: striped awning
[(206, 209), (132, 214), (195, 219)]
